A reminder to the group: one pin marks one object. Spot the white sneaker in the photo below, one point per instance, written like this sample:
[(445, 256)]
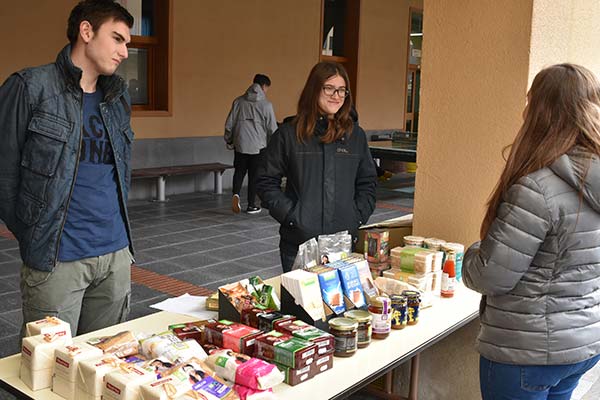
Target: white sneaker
[(235, 204)]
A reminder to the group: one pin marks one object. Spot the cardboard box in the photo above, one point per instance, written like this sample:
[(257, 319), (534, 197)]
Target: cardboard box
[(398, 228)]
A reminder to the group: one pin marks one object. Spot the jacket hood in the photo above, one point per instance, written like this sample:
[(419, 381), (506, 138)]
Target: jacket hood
[(254, 93), (571, 167)]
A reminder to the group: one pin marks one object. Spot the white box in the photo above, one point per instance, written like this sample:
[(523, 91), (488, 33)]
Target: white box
[(48, 326)]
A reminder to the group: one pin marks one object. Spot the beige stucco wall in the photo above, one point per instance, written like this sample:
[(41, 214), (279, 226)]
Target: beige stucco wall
[(474, 83), (382, 62), (565, 32), (217, 48)]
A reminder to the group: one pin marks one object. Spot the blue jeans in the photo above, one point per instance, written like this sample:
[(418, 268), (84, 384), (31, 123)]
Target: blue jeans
[(530, 382)]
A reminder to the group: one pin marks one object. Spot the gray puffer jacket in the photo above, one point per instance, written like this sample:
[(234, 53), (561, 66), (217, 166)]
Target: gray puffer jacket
[(251, 121), (539, 268)]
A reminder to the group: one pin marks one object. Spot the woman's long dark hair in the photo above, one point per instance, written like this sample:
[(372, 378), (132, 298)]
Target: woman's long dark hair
[(308, 105), (563, 111)]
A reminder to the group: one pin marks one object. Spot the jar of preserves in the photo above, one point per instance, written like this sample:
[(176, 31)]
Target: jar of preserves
[(345, 332), (364, 326), (399, 311), (413, 302), (380, 310)]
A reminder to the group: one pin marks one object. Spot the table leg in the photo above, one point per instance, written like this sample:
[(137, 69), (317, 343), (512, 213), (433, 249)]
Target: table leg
[(388, 390), (218, 182), (160, 188)]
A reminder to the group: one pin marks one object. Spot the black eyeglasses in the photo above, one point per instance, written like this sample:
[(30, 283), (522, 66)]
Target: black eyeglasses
[(342, 92)]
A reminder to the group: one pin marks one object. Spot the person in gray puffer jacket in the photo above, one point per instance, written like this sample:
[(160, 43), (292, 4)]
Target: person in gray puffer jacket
[(538, 263), (249, 125)]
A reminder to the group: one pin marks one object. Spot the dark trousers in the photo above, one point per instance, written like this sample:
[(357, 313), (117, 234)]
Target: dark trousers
[(287, 253), (246, 163)]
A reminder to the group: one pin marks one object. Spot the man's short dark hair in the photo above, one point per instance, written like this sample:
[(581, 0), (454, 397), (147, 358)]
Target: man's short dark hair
[(96, 12), (262, 80)]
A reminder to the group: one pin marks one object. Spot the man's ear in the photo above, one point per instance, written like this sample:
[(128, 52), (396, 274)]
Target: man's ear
[(86, 31)]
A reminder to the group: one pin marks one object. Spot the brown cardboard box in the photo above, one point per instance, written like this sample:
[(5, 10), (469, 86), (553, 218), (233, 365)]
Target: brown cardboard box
[(398, 227)]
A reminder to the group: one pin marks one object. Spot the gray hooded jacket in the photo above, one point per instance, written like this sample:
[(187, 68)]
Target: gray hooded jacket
[(539, 268), (251, 121)]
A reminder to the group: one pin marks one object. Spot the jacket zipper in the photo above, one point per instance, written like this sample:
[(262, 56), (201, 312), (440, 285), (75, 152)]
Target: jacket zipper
[(62, 226)]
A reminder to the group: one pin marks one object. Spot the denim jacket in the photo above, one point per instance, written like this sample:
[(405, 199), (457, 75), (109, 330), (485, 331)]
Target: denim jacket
[(41, 123)]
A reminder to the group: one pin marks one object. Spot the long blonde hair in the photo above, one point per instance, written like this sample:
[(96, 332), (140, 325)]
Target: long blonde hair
[(563, 111)]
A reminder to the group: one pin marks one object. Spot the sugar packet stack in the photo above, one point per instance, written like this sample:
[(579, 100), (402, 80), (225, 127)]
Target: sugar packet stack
[(305, 289), (37, 351), (90, 377)]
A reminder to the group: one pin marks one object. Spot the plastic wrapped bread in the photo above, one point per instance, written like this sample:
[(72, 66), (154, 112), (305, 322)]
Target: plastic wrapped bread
[(37, 352), (91, 373), (67, 358), (124, 382), (48, 326), (63, 387), (36, 380)]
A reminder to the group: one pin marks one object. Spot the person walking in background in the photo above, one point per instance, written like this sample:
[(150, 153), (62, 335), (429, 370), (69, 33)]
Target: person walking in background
[(324, 155), (538, 261), (65, 173), (249, 125)]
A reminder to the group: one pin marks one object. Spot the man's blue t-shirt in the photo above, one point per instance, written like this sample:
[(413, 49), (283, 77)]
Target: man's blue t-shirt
[(95, 225)]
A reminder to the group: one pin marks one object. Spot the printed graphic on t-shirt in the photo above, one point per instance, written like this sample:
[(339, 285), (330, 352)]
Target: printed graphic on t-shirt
[(95, 147)]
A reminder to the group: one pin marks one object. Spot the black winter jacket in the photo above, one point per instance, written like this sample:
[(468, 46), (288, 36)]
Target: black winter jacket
[(330, 187)]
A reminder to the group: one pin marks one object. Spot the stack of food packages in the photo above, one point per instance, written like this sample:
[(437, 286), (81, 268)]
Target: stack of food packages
[(419, 262), (168, 365), (299, 350), (344, 296)]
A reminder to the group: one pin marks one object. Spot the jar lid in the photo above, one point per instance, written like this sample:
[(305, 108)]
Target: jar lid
[(358, 315), (411, 293), (380, 301), (343, 324), (398, 298)]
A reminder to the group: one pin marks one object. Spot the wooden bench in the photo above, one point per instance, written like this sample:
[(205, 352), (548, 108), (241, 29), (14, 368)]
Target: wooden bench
[(161, 174)]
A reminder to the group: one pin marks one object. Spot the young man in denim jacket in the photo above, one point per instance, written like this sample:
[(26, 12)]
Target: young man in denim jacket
[(65, 173)]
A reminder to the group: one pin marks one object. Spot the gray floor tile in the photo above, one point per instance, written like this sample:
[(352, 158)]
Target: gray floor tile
[(195, 260), (163, 267), (141, 293), (10, 301), (4, 257), (228, 240), (10, 345), (266, 260), (6, 244), (14, 317), (237, 252), (8, 329), (10, 268)]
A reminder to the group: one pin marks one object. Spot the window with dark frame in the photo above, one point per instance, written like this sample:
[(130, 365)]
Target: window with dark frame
[(339, 35), (146, 71)]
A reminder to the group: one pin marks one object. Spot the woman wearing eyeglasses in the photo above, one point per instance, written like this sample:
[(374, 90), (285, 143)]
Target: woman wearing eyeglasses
[(324, 155)]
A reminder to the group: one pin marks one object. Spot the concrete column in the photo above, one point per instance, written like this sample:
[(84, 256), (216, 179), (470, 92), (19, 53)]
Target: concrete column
[(479, 58)]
